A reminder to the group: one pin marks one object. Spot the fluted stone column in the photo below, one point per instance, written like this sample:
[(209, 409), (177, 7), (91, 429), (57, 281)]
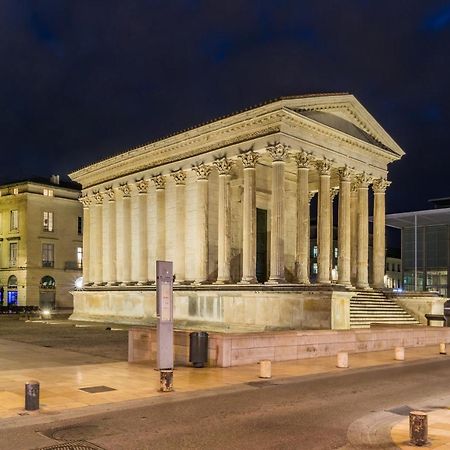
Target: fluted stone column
[(124, 234), (160, 220), (86, 202), (333, 192), (379, 228), (353, 231), (139, 233), (224, 166), (202, 171), (303, 160), (344, 228), (180, 212), (97, 238), (362, 281), (249, 160), (109, 262), (279, 153), (323, 235)]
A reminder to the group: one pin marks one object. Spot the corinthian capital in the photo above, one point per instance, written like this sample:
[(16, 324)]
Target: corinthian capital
[(303, 159), (110, 193), (142, 186), (179, 176), (249, 159), (311, 196), (380, 185), (202, 171), (224, 165), (85, 200), (98, 197), (345, 173), (363, 180), (278, 151), (323, 166), (333, 192), (125, 189), (159, 181)]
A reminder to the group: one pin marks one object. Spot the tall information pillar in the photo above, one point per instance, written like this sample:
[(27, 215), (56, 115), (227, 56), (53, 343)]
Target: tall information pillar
[(164, 329)]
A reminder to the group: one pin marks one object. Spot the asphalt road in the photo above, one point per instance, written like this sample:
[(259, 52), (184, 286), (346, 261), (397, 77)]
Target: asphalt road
[(302, 413)]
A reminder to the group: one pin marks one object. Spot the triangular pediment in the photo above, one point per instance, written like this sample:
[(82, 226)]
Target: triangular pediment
[(345, 114)]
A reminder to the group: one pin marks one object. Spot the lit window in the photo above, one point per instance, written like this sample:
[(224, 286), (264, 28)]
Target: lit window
[(13, 254), (79, 257), (335, 252), (14, 220), (48, 255), (48, 192), (315, 251), (315, 268), (47, 222), (15, 191)]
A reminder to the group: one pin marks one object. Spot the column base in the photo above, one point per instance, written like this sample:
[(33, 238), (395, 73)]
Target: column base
[(113, 283), (324, 281), (222, 282), (200, 283), (248, 281), (363, 286), (275, 281)]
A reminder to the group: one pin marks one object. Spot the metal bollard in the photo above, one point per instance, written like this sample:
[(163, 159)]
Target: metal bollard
[(418, 428), (342, 360), (31, 395), (399, 353), (166, 380), (442, 349), (265, 368)]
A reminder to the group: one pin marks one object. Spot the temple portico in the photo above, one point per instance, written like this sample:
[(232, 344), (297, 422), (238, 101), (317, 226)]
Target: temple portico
[(230, 204)]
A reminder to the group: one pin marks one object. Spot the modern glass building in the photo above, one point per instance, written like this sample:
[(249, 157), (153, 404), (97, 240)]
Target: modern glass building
[(425, 247)]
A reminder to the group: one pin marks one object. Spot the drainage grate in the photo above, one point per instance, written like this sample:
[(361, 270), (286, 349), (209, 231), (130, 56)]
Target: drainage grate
[(74, 445), (96, 389), (261, 384), (401, 410)]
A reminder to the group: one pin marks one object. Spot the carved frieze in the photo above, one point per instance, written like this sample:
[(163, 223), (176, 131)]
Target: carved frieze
[(202, 171), (223, 165), (179, 176), (278, 151)]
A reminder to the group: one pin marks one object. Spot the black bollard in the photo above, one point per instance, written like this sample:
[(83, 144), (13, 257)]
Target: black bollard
[(32, 395)]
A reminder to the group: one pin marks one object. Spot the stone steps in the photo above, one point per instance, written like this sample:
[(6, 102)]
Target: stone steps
[(367, 307)]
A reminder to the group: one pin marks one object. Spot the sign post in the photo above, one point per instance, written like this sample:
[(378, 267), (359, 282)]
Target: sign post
[(164, 329)]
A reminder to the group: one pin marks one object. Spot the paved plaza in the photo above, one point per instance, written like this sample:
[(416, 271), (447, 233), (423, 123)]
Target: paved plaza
[(74, 381)]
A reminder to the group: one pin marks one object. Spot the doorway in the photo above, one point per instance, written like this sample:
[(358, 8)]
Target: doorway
[(261, 245)]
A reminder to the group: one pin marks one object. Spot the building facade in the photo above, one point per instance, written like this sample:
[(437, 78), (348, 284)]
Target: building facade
[(229, 203), (40, 242)]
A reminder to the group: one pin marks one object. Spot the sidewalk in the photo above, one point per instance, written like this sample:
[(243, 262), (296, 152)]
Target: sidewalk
[(62, 374)]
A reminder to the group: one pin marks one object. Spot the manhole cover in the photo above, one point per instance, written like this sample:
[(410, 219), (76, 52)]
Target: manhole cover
[(96, 389), (74, 445), (261, 384)]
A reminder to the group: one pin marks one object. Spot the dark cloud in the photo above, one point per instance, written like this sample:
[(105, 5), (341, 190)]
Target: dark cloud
[(85, 79)]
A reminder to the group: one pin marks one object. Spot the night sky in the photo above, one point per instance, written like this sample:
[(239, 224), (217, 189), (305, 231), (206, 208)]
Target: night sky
[(81, 80)]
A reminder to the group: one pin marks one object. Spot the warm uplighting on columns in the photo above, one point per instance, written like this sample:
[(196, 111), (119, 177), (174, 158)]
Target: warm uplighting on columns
[(362, 280), (303, 160), (109, 263), (249, 160), (379, 187), (323, 235), (124, 236), (160, 217), (179, 264), (86, 202), (97, 238), (140, 247), (202, 171), (279, 154), (224, 166), (344, 228)]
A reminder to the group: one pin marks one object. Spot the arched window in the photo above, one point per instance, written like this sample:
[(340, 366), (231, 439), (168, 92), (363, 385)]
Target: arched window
[(12, 281), (47, 282)]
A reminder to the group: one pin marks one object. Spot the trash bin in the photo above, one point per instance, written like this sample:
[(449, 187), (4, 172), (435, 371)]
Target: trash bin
[(447, 312), (198, 348)]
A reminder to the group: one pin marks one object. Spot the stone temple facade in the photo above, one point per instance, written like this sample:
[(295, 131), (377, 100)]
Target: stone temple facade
[(230, 203)]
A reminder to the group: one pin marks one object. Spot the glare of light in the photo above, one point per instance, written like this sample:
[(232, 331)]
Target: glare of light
[(79, 283), (46, 313)]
